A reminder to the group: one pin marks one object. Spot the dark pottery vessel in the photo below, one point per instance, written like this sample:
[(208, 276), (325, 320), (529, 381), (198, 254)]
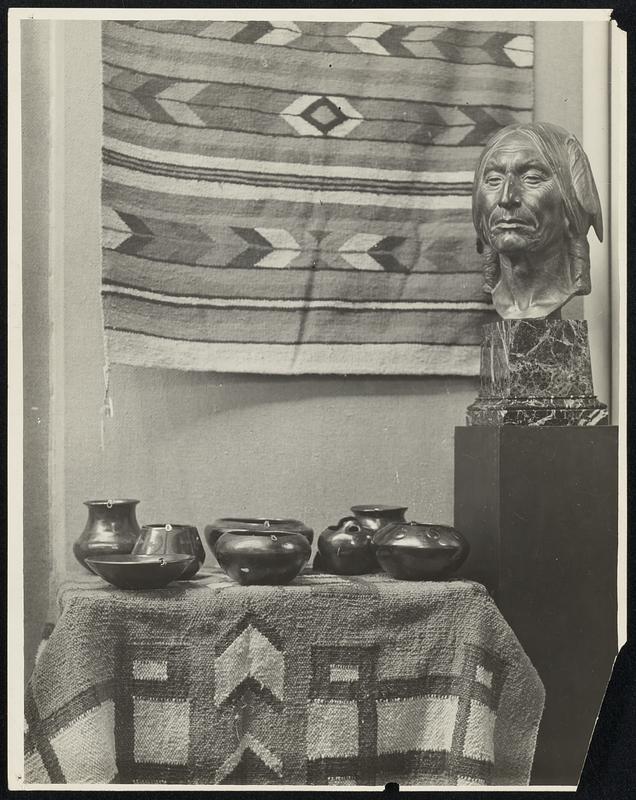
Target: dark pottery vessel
[(172, 539), (376, 517), (262, 555), (417, 551), (140, 572), (346, 549), (111, 528), (214, 532)]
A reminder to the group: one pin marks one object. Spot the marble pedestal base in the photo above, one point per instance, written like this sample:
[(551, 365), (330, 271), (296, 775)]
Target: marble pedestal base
[(536, 372), (537, 411)]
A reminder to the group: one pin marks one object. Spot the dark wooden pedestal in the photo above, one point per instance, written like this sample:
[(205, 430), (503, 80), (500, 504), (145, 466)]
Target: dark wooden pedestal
[(540, 509)]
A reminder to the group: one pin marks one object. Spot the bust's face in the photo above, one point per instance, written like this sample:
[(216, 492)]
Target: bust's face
[(518, 201)]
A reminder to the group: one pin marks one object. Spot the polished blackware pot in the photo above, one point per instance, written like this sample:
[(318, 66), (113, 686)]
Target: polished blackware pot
[(346, 549), (171, 539), (214, 531), (419, 550), (111, 529), (140, 571), (262, 555), (375, 517)]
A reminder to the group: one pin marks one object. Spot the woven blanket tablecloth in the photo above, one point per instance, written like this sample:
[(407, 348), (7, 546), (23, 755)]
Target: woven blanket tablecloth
[(326, 681)]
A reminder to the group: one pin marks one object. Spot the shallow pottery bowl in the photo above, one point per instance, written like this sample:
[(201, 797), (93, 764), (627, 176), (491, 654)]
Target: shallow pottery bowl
[(141, 571), (214, 531), (419, 551)]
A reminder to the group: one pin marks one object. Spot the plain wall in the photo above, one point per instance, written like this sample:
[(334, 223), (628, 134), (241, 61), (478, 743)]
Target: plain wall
[(35, 332), (195, 446)]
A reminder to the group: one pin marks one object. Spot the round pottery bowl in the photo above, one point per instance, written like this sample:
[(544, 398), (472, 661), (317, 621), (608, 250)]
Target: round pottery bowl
[(416, 551), (214, 531), (168, 538), (140, 571), (346, 549), (262, 556)]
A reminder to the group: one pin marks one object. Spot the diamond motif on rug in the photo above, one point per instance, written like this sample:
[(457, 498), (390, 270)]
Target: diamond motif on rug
[(322, 115)]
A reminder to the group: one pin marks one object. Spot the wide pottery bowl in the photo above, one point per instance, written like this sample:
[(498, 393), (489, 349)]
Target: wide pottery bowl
[(214, 531), (375, 517), (418, 551), (262, 556), (141, 571)]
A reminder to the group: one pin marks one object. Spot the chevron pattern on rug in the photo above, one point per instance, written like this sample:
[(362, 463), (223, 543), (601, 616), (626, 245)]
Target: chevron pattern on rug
[(250, 657)]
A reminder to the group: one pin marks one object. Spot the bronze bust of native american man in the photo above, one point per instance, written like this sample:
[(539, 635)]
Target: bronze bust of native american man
[(534, 200)]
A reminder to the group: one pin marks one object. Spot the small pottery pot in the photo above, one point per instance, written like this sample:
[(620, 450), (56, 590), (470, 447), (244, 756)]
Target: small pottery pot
[(140, 572), (171, 539), (214, 532), (346, 549), (262, 555), (419, 551), (111, 528), (376, 517)]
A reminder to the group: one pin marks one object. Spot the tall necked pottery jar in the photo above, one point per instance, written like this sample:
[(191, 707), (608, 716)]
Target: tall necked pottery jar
[(111, 528)]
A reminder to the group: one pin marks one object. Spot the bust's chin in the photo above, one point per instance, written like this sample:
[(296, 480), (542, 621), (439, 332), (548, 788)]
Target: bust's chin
[(511, 242)]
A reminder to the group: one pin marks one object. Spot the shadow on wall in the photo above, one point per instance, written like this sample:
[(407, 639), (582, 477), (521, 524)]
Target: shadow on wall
[(234, 391)]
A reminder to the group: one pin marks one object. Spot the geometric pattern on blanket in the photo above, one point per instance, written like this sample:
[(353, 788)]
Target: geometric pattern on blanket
[(249, 697), (294, 197), (423, 726)]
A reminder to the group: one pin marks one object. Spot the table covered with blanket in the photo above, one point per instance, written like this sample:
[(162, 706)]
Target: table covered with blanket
[(326, 681)]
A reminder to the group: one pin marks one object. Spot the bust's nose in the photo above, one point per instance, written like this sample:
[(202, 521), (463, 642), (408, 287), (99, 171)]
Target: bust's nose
[(510, 196)]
